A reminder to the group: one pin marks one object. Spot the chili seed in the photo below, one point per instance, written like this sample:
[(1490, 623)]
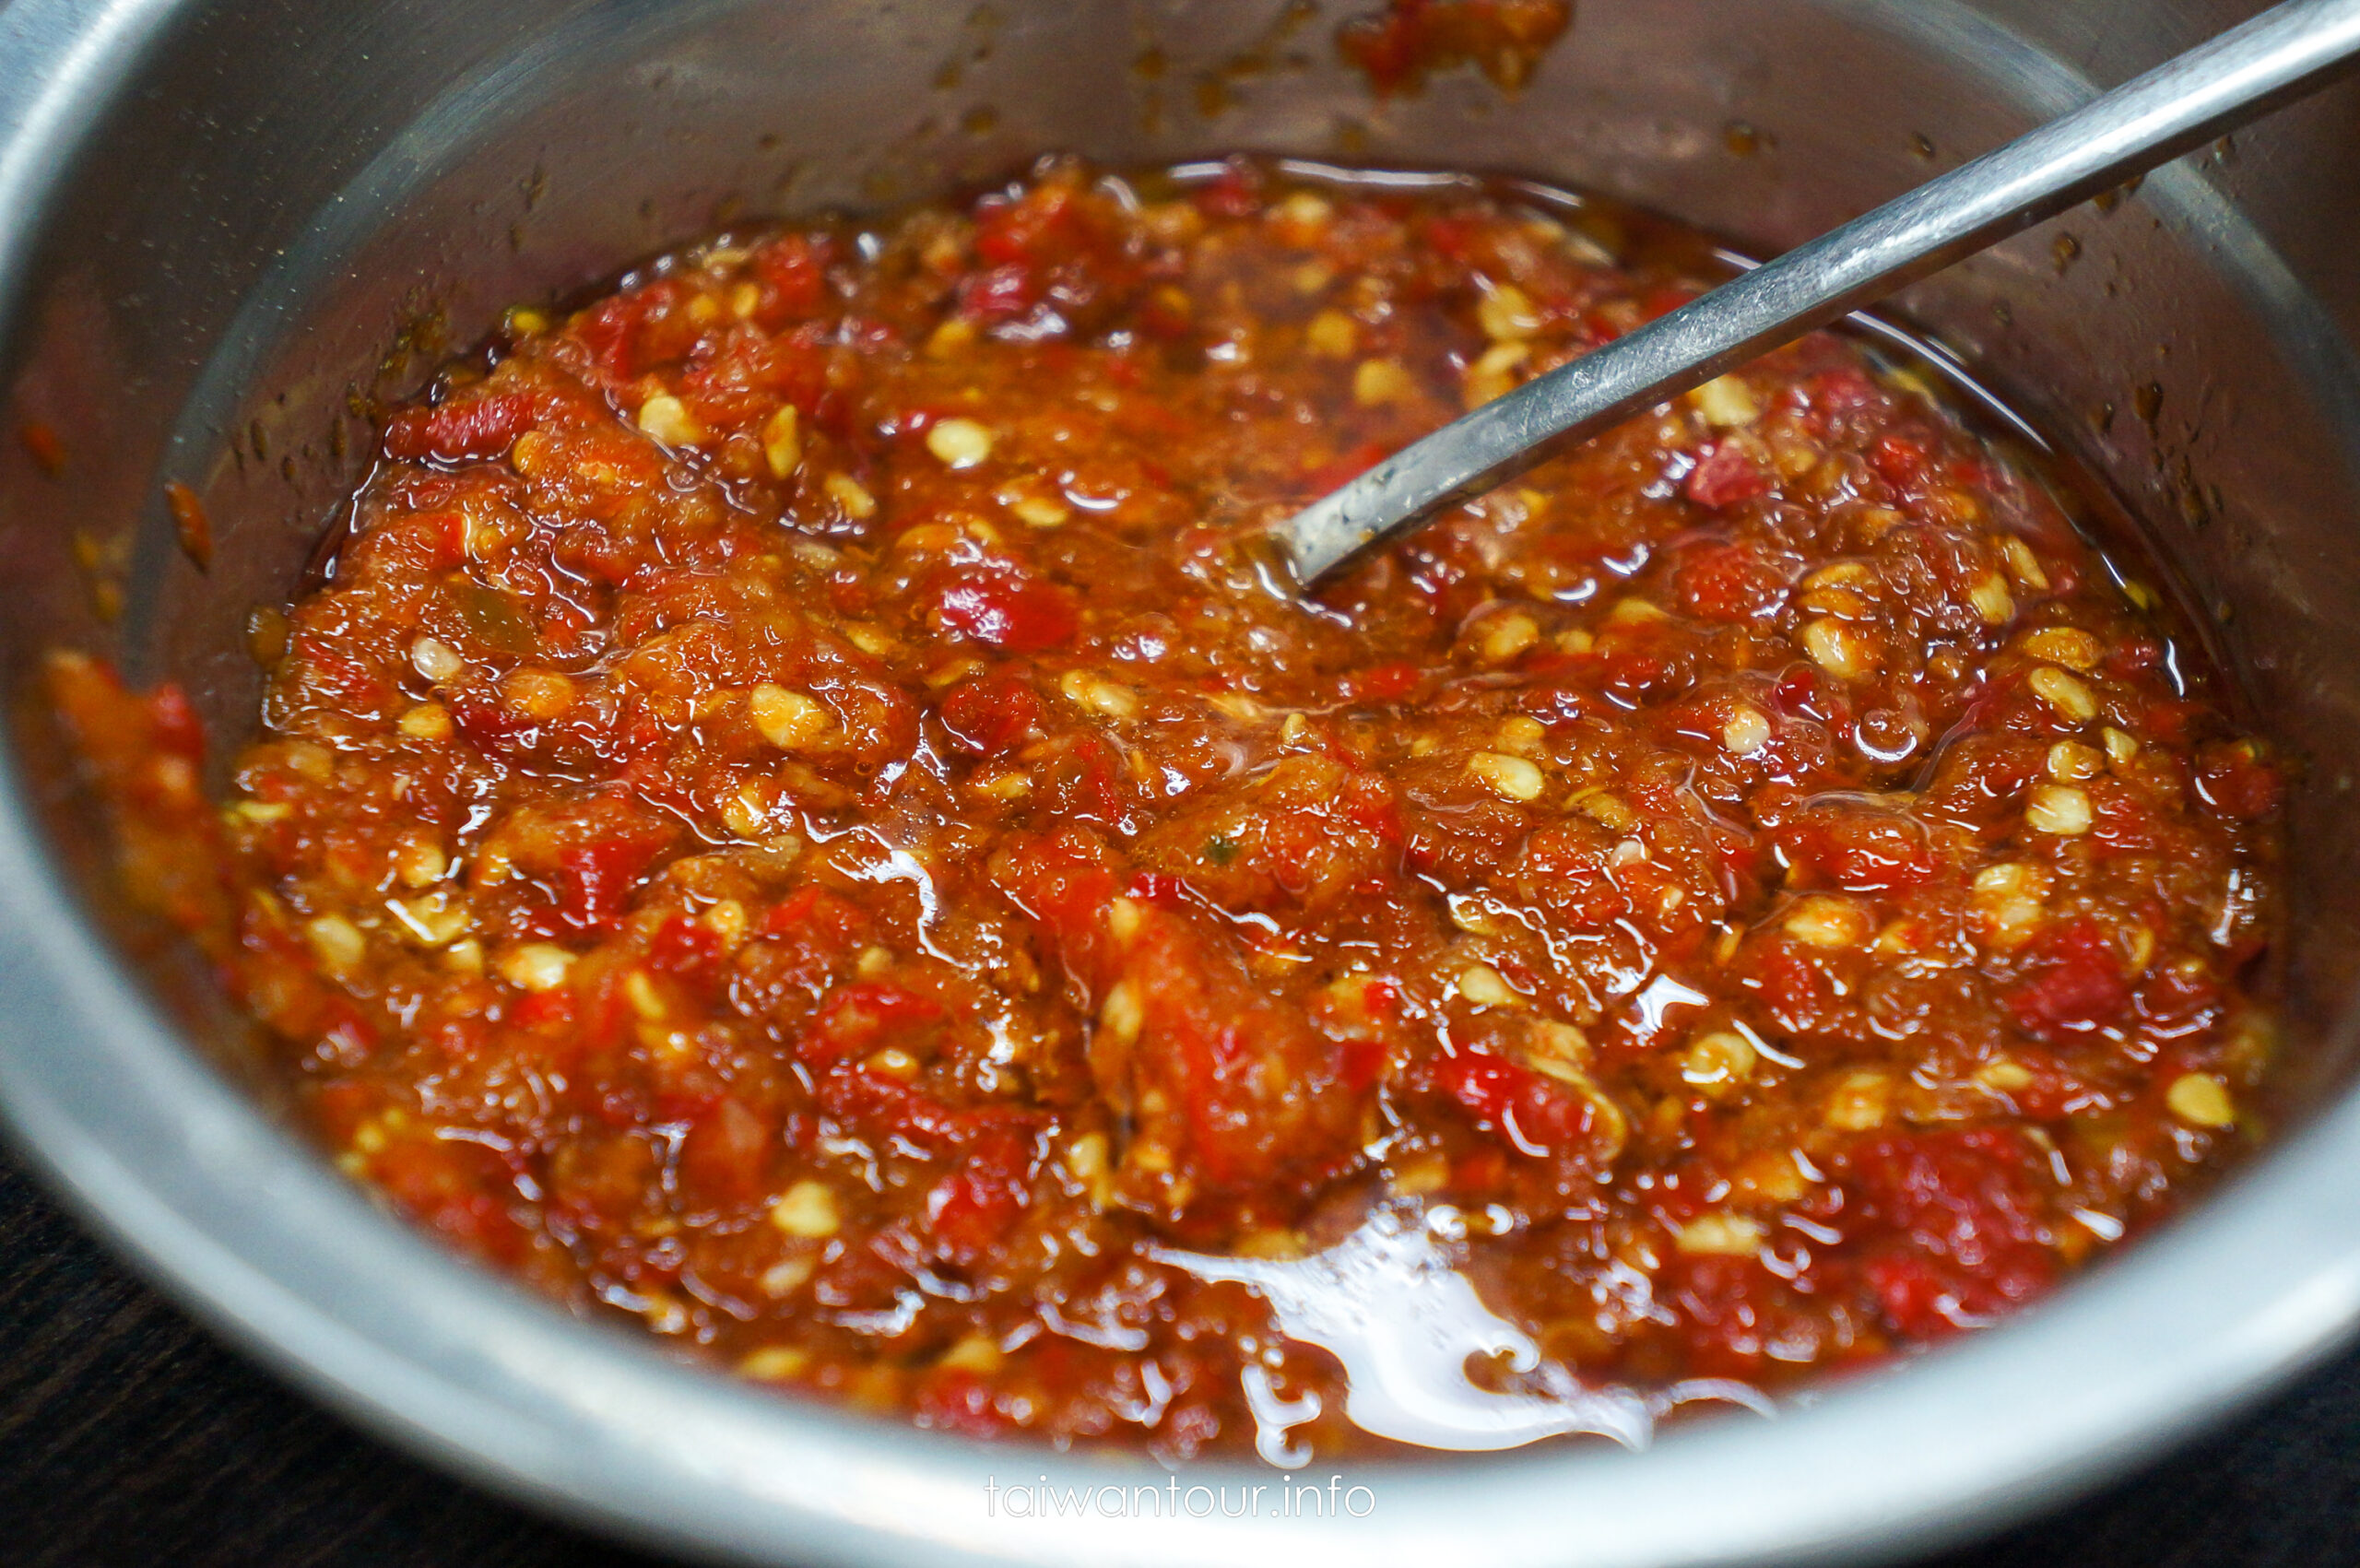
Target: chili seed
[(2067, 645), (1098, 695), (774, 1363), (428, 721), (1506, 314), (1718, 1062), (852, 495), (1511, 778), (1557, 1045), (1481, 984), (2011, 898), (1726, 402), (745, 813), (783, 441), (1991, 599), (1379, 381), (1494, 373), (2058, 809), (2062, 692), (667, 419), (1825, 922), (1332, 335), (1011, 785), (1859, 1103), (1721, 1235), (2004, 1076), (894, 1062), (1521, 735), (420, 862), (639, 990), (2023, 566), (1607, 810), (336, 943), (2201, 1099), (435, 919), (949, 340), (1123, 1015), (538, 693), (2070, 761), (1037, 510), (1304, 210), (788, 720), (961, 443), (785, 1278), (1771, 1176), (974, 1353), (1745, 731), (1507, 636), (1086, 1156), (809, 1210), (1838, 649), (436, 660), (536, 966)]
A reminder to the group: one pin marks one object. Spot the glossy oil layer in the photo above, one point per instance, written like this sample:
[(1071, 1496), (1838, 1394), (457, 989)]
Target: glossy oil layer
[(803, 814)]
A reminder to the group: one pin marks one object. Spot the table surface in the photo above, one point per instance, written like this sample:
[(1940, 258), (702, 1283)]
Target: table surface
[(128, 1437)]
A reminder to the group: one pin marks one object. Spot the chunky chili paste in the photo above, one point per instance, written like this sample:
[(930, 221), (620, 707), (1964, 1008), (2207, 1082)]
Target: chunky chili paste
[(808, 814), (1396, 47)]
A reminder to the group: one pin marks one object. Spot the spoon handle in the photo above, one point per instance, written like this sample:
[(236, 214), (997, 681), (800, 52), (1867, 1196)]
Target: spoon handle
[(2243, 73)]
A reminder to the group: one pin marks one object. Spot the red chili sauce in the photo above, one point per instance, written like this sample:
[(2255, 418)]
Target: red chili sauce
[(1398, 46), (807, 816)]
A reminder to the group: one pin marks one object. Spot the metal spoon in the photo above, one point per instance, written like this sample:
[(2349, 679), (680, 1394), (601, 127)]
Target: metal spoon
[(2238, 77)]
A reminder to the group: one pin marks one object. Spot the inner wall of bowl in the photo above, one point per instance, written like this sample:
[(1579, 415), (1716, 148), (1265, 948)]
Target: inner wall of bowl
[(294, 214)]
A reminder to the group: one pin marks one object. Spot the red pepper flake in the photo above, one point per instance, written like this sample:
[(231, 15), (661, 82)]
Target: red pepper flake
[(2236, 782), (2078, 985), (189, 521), (684, 947), (1003, 293), (1727, 583), (1234, 193), (957, 1400), (725, 1155), (1538, 1115), (794, 267), (974, 1206), (1968, 1226), (1859, 850), (1013, 613), (1385, 683), (1724, 475), (479, 426), (41, 441), (544, 1010), (1398, 47), (1343, 468), (863, 1016), (988, 714)]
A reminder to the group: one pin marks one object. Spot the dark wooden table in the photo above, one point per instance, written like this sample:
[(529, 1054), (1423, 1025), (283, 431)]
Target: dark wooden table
[(128, 1439)]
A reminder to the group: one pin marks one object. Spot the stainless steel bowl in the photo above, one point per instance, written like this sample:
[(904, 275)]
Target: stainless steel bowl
[(219, 215)]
